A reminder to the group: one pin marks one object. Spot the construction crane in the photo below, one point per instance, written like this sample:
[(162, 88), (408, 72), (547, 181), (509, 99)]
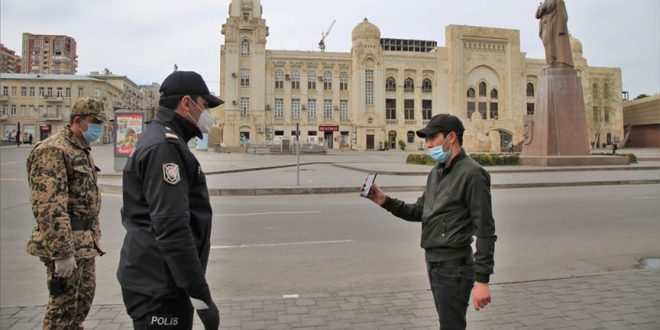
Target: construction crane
[(323, 35)]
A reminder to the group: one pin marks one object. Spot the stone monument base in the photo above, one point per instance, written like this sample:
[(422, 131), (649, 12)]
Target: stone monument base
[(573, 160)]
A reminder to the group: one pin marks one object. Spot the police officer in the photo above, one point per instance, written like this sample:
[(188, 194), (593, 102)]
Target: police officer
[(66, 204), (167, 214)]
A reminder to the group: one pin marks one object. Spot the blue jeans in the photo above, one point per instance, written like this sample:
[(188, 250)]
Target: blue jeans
[(451, 287)]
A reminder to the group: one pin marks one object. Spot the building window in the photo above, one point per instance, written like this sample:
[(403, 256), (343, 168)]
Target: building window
[(408, 85), (595, 91), (369, 74), (493, 93), (427, 86), (411, 137), (470, 109), (427, 106), (32, 91), (311, 108), (67, 92), (390, 84), (606, 115), (13, 109), (279, 79), (24, 111), (343, 109), (60, 92), (482, 109), (245, 106), (409, 109), (343, 81), (13, 90), (245, 77), (81, 92), (530, 89), (245, 47), (295, 80), (4, 110), (311, 80), (470, 93), (42, 91), (49, 92), (530, 108), (606, 91), (493, 110), (279, 108), (23, 91), (295, 108), (246, 16), (327, 108), (390, 109), (5, 91), (482, 89), (327, 81), (596, 115), (369, 92)]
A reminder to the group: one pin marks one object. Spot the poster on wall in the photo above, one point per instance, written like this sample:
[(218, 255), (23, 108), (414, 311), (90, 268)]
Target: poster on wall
[(128, 129)]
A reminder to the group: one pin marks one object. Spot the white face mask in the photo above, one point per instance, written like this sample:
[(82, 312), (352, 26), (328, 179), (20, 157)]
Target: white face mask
[(206, 119)]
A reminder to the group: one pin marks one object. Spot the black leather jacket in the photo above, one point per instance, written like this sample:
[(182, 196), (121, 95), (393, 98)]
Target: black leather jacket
[(166, 212)]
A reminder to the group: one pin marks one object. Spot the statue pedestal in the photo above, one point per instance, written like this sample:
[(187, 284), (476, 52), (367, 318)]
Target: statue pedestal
[(557, 134)]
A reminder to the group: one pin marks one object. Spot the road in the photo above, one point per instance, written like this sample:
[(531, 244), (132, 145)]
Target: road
[(271, 246)]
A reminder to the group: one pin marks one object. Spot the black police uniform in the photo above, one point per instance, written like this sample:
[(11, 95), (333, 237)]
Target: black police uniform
[(167, 216)]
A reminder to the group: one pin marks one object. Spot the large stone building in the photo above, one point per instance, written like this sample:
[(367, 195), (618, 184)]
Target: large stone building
[(383, 90), (49, 54), (41, 104)]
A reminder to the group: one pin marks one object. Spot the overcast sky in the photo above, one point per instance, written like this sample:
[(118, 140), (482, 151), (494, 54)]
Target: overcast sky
[(143, 39)]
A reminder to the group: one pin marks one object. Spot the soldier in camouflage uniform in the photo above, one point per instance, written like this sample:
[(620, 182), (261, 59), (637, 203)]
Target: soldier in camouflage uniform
[(66, 204)]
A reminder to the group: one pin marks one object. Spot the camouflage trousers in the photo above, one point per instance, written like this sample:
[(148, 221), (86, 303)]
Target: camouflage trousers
[(69, 309)]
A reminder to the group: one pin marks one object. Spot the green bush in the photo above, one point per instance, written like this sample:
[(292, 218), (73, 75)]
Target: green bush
[(402, 145), (482, 159), (632, 158)]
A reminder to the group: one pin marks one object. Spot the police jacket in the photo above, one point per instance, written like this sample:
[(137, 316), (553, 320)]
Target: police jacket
[(166, 212), (65, 198), (455, 206)]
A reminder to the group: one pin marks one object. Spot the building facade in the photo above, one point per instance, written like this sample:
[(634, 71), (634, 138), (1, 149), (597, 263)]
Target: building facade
[(41, 104), (9, 61), (378, 94), (49, 54)]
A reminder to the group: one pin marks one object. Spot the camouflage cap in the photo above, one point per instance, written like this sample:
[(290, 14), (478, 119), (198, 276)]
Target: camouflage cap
[(89, 106)]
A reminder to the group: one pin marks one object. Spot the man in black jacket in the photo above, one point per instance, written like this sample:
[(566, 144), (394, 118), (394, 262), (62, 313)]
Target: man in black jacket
[(455, 207), (167, 213)]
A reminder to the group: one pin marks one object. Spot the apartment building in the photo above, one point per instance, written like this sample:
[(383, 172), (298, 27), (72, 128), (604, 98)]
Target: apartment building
[(49, 54)]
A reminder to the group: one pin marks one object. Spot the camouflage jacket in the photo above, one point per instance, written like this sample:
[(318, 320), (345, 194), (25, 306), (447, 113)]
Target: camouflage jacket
[(62, 179)]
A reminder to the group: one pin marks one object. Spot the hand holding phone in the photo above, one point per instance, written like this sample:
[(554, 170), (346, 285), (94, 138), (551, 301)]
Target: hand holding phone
[(366, 189)]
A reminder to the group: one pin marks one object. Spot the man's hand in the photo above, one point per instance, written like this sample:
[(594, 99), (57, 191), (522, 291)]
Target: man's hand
[(376, 194), (480, 295), (64, 267), (210, 315)]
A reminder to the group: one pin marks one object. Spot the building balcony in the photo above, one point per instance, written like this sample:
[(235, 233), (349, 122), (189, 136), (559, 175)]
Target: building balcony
[(411, 122), (51, 116), (3, 117), (4, 98), (391, 122), (53, 99), (345, 121), (425, 121)]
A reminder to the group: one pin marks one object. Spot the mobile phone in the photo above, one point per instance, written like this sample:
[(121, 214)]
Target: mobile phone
[(371, 177)]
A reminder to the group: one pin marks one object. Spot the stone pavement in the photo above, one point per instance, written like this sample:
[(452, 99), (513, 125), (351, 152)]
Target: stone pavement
[(627, 299)]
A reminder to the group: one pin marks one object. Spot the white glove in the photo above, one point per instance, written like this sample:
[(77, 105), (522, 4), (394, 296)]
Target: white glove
[(198, 304), (64, 267)]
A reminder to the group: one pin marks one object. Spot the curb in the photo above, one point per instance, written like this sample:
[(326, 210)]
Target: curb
[(114, 189)]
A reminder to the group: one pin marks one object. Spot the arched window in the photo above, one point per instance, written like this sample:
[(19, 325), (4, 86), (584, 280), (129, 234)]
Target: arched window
[(343, 81), (482, 89), (427, 86), (327, 80), (470, 93), (595, 90), (390, 84), (606, 90), (295, 80), (408, 85), (493, 93), (245, 47), (530, 89), (311, 80), (279, 79)]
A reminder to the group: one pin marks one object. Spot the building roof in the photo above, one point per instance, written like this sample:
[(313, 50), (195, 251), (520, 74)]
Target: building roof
[(39, 76)]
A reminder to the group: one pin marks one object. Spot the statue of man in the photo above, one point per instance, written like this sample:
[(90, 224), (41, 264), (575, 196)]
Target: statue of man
[(554, 33)]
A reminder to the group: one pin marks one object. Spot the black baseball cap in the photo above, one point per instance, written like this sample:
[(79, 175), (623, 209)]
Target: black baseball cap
[(180, 83), (442, 123)]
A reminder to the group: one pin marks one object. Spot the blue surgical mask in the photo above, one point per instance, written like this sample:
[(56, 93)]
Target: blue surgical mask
[(93, 132), (438, 153)]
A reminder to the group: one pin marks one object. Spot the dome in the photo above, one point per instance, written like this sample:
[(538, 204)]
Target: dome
[(365, 30), (576, 45)]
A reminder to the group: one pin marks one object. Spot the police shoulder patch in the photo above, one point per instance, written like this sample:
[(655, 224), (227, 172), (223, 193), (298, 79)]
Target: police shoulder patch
[(171, 173)]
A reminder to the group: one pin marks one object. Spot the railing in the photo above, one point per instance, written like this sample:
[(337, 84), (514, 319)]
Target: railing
[(411, 122), (279, 147), (4, 117), (53, 98), (391, 122), (51, 116)]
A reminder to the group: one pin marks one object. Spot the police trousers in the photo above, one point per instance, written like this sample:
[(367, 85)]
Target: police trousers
[(451, 284), (166, 310), (70, 298)]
